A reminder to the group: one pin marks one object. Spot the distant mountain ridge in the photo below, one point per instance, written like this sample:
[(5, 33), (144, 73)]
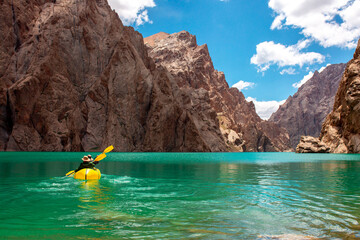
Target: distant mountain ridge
[(192, 68), (305, 111)]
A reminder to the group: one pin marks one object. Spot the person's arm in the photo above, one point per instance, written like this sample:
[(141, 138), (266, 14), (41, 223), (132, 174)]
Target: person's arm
[(80, 167), (95, 162)]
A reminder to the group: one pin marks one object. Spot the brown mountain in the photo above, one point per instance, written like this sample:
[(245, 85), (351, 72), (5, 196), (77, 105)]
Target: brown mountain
[(341, 129), (73, 78), (304, 113), (192, 68), (340, 132)]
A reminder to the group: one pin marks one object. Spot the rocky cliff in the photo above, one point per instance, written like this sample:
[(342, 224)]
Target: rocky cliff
[(304, 113), (193, 70), (340, 132), (73, 78), (341, 129)]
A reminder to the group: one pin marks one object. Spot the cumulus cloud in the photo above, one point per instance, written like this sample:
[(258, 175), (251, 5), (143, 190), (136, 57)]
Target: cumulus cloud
[(304, 80), (243, 85), (290, 71), (270, 53), (330, 22), (132, 11), (307, 77), (265, 108)]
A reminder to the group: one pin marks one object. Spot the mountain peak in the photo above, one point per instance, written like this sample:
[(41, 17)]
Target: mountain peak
[(151, 40), (192, 67), (180, 38)]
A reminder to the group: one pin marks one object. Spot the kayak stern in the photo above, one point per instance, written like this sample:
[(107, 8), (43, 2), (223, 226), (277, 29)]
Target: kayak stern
[(88, 174)]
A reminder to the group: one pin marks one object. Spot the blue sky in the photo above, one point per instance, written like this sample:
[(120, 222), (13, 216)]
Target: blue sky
[(264, 47)]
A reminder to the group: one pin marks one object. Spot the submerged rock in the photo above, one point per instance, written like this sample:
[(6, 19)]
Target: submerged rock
[(286, 237)]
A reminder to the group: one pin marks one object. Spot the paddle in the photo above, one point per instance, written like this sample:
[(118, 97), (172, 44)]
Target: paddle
[(108, 149), (69, 173), (103, 155), (98, 158)]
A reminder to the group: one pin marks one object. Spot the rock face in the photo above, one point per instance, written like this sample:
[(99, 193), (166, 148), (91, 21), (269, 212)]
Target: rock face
[(193, 70), (309, 144), (341, 129), (73, 78), (340, 132), (304, 113)]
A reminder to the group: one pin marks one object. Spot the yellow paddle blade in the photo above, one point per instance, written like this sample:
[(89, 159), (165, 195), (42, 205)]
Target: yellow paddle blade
[(69, 173), (108, 149), (100, 157)]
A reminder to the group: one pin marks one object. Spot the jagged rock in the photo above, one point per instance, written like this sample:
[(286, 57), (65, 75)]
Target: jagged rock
[(192, 67), (341, 129), (304, 113), (309, 144), (73, 78)]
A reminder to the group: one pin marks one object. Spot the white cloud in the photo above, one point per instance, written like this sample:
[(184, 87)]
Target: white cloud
[(290, 71), (304, 80), (265, 108), (277, 23), (243, 85), (270, 53), (323, 68), (317, 20), (132, 11), (307, 77)]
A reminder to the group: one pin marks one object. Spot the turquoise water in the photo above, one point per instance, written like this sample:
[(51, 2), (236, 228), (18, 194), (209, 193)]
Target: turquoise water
[(181, 196)]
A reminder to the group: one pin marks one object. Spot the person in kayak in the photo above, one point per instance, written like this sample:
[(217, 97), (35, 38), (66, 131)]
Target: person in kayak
[(88, 162)]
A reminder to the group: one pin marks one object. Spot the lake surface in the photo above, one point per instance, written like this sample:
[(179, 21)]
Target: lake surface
[(181, 196)]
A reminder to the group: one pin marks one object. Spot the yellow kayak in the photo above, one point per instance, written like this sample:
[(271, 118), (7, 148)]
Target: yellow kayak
[(85, 174)]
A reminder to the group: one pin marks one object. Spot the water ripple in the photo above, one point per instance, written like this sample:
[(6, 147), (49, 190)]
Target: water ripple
[(201, 201)]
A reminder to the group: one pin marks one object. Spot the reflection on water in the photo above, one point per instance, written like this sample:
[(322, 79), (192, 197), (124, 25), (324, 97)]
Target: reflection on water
[(182, 200)]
